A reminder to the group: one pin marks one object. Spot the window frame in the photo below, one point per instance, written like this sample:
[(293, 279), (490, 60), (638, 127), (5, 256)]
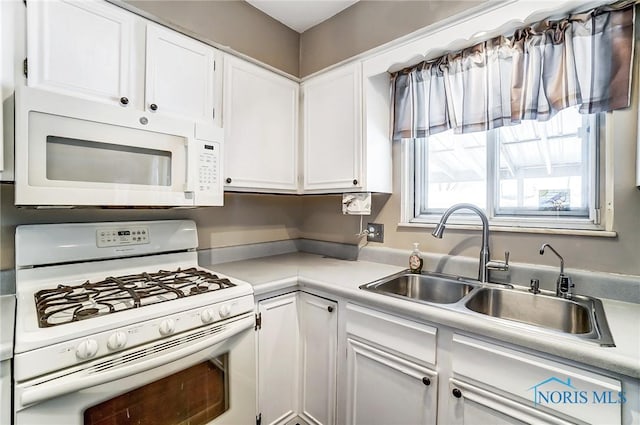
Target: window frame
[(597, 223)]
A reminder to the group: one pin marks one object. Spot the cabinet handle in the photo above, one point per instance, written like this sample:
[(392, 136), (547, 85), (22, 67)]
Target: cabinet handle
[(456, 393), (124, 101), (153, 107), (355, 182), (426, 381), (228, 180), (330, 309)]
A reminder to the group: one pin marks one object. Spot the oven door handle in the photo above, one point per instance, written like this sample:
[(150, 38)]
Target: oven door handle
[(87, 378)]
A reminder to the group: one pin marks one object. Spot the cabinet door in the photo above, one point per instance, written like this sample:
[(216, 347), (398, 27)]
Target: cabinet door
[(385, 389), (592, 398), (472, 405), (81, 48), (332, 130), (261, 127), (278, 359), (319, 329), (180, 75)]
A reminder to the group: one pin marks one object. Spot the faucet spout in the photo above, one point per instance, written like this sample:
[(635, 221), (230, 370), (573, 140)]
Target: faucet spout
[(483, 271)]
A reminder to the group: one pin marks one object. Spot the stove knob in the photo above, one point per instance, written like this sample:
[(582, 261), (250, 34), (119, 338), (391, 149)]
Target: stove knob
[(87, 349), (167, 327), (207, 315), (117, 341), (225, 311)]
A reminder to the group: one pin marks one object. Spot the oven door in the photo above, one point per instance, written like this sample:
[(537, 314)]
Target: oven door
[(188, 379), (76, 152)]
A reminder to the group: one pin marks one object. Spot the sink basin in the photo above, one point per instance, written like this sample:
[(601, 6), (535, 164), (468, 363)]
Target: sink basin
[(429, 288), (580, 316), (539, 310)]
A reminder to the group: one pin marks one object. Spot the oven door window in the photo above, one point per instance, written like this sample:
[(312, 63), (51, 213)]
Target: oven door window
[(193, 396)]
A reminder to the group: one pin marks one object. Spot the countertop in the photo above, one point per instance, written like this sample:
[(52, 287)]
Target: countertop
[(7, 319), (342, 278)]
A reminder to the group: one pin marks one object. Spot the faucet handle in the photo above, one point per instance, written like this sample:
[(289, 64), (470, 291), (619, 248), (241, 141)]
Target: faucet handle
[(565, 286), (499, 265)]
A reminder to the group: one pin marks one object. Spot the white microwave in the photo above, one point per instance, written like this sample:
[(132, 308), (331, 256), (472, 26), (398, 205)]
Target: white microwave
[(75, 152)]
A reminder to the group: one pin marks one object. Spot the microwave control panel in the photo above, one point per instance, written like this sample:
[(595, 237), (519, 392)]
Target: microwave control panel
[(208, 167), (118, 236)]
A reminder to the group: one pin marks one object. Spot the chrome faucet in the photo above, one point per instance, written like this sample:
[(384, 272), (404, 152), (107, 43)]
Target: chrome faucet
[(564, 285), (485, 257)]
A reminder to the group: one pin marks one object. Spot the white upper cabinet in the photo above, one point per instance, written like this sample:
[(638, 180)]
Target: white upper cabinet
[(332, 122), (82, 48), (180, 75), (345, 146), (12, 53), (261, 128), (95, 50)]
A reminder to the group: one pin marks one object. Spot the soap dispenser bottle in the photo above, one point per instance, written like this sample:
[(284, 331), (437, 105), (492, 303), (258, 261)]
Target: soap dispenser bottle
[(415, 259)]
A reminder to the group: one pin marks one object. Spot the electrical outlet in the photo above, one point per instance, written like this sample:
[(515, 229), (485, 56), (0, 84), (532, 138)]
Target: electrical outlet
[(376, 232)]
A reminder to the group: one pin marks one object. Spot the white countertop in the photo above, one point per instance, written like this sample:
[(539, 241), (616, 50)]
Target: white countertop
[(342, 278), (7, 320)]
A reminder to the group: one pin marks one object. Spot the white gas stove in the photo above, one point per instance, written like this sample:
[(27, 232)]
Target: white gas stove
[(91, 294)]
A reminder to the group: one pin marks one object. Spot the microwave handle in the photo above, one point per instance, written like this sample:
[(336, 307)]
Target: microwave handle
[(192, 166)]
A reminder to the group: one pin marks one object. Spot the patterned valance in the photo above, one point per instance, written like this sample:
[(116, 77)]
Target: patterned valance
[(585, 60)]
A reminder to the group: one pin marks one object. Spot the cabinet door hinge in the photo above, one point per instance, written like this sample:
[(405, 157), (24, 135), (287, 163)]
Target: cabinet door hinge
[(259, 419), (25, 67), (258, 321)]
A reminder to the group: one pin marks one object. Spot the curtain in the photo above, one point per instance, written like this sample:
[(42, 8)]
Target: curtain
[(584, 59)]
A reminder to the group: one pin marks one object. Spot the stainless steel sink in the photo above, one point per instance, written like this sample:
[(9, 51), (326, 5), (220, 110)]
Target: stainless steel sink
[(430, 288), (580, 316)]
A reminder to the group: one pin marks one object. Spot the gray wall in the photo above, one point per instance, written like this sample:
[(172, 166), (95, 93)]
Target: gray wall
[(244, 219), (358, 28), (232, 23), (368, 24), (321, 219), (363, 26)]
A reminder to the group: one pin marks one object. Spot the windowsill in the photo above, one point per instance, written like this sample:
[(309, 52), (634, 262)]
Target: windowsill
[(511, 229)]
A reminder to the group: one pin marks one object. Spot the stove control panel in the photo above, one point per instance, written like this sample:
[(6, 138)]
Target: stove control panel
[(118, 236), (122, 337)]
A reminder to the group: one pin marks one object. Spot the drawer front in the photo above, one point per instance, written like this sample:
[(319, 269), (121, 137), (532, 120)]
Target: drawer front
[(581, 394), (405, 337)]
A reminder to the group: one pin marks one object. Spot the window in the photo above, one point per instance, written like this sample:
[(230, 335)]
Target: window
[(536, 174)]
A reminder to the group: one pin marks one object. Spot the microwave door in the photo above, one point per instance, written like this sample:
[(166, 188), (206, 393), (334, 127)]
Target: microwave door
[(73, 161)]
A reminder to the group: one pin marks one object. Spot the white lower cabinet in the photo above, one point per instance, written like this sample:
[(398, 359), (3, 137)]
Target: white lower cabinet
[(297, 347), (319, 337), (389, 369), (387, 389), (496, 384), (278, 342), (474, 405)]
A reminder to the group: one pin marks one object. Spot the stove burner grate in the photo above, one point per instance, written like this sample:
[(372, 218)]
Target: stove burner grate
[(72, 303)]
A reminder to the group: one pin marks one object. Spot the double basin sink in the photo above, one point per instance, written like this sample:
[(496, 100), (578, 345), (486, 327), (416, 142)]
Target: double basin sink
[(581, 317)]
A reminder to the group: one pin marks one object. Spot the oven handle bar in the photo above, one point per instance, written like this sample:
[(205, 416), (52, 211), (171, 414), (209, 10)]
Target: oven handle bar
[(80, 380)]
